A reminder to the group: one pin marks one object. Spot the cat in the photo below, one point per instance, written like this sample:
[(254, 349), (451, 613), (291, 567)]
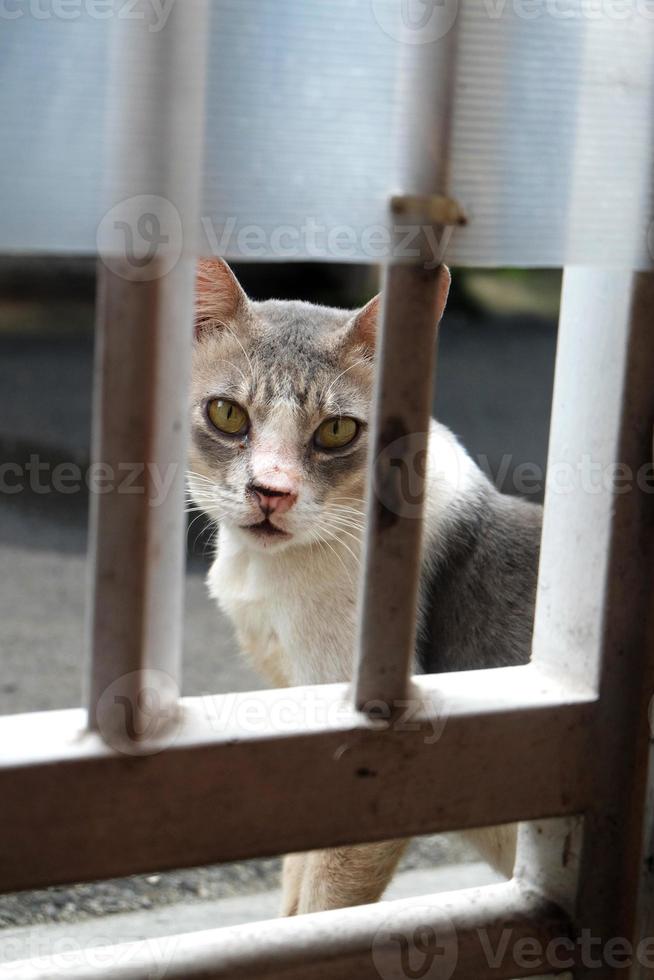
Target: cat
[(280, 405)]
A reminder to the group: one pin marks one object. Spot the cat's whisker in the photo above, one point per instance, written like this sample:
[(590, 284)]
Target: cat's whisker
[(199, 476), (199, 492), (247, 358), (336, 531), (352, 504), (334, 552), (349, 519), (343, 522), (235, 366), (335, 535), (188, 529), (211, 532), (346, 512), (211, 539), (355, 528), (327, 392), (321, 546)]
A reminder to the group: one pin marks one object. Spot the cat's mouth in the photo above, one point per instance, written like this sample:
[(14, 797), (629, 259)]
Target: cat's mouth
[(265, 529)]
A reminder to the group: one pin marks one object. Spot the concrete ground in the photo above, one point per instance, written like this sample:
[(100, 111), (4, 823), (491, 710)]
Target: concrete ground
[(494, 387)]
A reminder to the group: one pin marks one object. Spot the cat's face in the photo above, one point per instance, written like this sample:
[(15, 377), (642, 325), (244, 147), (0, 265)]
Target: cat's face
[(280, 405)]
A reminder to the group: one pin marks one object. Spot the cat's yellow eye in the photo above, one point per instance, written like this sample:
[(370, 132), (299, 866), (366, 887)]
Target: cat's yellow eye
[(335, 433), (228, 416)]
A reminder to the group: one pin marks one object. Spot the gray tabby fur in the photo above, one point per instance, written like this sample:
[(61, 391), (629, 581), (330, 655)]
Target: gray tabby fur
[(480, 589)]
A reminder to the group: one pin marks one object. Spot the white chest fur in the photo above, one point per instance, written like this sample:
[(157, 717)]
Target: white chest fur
[(294, 612)]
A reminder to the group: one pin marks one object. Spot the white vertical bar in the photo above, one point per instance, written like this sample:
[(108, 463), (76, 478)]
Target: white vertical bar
[(585, 435), (404, 380), (593, 618), (145, 301)]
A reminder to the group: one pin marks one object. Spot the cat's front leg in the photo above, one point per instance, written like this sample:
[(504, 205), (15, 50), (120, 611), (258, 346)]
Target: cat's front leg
[(292, 874), (496, 845), (345, 876)]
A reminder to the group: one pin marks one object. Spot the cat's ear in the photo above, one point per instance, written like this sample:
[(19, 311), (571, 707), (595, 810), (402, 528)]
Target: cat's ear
[(443, 284), (219, 296), (362, 331)]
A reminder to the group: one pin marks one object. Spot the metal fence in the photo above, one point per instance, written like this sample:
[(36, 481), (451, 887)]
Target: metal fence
[(561, 742)]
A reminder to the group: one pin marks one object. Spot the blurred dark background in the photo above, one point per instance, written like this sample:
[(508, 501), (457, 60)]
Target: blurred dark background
[(493, 389)]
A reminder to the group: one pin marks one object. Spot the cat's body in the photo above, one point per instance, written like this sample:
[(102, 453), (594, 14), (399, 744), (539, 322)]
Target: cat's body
[(290, 509), (478, 582)]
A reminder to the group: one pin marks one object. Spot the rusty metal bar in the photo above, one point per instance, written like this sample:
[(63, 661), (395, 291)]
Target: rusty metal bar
[(413, 291), (398, 449), (144, 311), (137, 535)]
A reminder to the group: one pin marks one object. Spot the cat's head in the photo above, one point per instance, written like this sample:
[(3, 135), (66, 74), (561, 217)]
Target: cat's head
[(280, 410)]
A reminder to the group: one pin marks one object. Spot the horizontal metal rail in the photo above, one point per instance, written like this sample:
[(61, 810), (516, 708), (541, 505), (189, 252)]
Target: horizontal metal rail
[(469, 750), (465, 931)]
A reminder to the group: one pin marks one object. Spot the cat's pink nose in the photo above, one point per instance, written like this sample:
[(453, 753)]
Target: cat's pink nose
[(272, 501)]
